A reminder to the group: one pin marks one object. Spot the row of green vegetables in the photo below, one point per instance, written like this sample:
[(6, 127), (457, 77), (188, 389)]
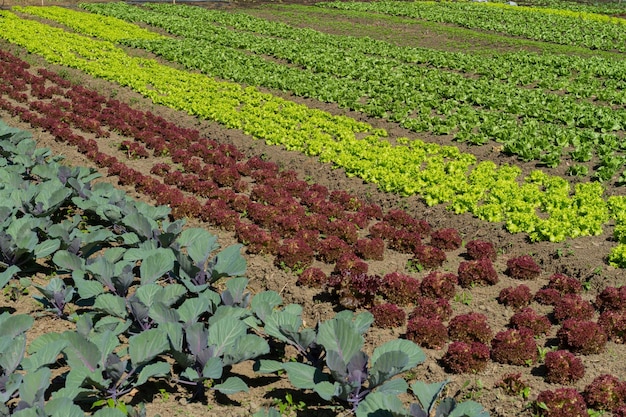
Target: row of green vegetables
[(140, 292), (532, 124), (565, 12), (609, 8), (551, 25), (579, 77), (385, 27), (601, 78), (228, 103), (441, 174)]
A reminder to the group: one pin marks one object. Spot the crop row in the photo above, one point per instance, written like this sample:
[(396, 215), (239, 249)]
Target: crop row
[(148, 309), (170, 313), (575, 14), (266, 207), (530, 23), (354, 289), (600, 78), (476, 111), (492, 193), (608, 8)]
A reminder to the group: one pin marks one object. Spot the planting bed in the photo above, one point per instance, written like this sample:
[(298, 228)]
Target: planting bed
[(297, 216)]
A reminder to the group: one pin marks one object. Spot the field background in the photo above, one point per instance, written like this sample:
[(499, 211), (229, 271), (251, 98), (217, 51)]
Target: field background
[(582, 258)]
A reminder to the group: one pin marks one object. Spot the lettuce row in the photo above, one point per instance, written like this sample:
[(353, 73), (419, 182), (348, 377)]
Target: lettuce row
[(439, 174), (474, 111), (106, 28), (582, 15), (588, 77), (536, 25)]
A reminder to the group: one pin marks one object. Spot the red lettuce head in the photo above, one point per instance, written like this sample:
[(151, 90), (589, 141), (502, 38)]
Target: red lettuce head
[(470, 327), (606, 393), (514, 347), (584, 337), (388, 315), (515, 297), (614, 324), (564, 284), (446, 239), (562, 402), (612, 298), (464, 357), (431, 308), (373, 249), (478, 272), (523, 267), (428, 333), (294, 253), (438, 284), (400, 289), (563, 367), (478, 249), (572, 306), (529, 319), (429, 257), (312, 277)]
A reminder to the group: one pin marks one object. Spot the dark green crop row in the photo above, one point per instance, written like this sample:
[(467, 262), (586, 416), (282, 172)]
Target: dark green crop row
[(551, 25), (439, 174), (474, 105)]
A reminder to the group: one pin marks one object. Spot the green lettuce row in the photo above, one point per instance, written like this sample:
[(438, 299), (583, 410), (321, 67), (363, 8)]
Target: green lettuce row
[(376, 86), (330, 54), (583, 77), (600, 8), (617, 207), (303, 45), (230, 104), (511, 21), (106, 28), (441, 174)]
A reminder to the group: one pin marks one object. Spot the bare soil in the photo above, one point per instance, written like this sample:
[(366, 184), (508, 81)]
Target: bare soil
[(583, 259)]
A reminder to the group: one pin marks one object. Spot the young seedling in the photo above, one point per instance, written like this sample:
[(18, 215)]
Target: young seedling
[(56, 295)]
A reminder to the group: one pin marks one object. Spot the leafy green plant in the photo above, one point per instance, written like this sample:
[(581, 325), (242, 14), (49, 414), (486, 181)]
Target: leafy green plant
[(412, 265), (288, 407), (512, 384), (20, 245), (198, 266), (206, 350), (12, 291), (56, 295), (543, 350), (578, 170), (474, 389), (99, 369), (464, 297), (350, 377), (430, 403), (12, 349)]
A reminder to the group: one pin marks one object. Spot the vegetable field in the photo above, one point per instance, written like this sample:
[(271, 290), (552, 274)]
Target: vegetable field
[(340, 208)]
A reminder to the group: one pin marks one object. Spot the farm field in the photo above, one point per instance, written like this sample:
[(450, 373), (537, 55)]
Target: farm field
[(453, 173)]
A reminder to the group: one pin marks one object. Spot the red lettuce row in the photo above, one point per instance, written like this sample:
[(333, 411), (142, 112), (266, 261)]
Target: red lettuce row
[(274, 212)]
